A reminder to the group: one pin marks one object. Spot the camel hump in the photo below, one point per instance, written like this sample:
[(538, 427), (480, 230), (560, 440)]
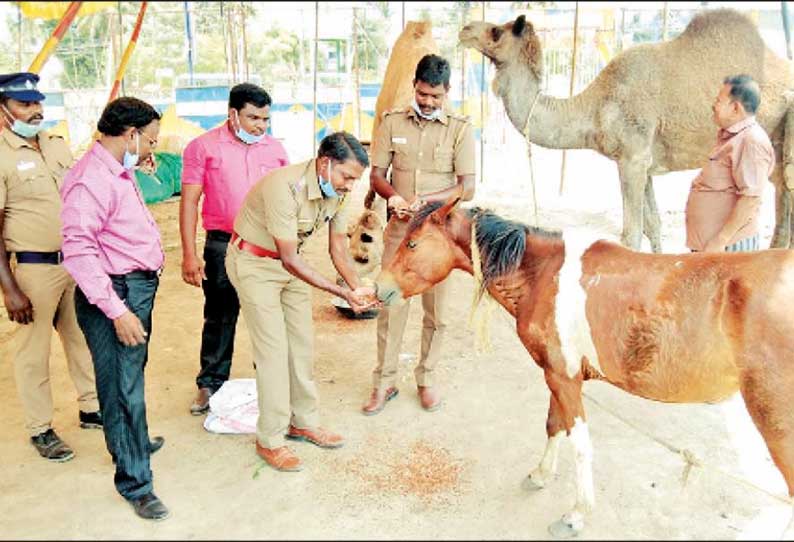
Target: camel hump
[(719, 21)]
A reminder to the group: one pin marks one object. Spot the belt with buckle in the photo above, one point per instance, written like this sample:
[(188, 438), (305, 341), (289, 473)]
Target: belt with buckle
[(138, 274), (251, 248), (40, 257)]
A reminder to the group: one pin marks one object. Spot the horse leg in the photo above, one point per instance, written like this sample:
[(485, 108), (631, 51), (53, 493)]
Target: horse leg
[(555, 430), (651, 223), (568, 394), (633, 178), (768, 401)]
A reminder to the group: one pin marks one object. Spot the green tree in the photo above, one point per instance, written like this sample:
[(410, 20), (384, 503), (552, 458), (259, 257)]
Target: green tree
[(276, 56)]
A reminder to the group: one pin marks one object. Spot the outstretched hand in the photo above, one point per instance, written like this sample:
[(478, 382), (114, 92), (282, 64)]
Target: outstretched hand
[(362, 298)]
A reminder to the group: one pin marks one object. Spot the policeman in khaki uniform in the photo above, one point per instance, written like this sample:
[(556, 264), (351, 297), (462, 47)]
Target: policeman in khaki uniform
[(39, 293), (431, 153), (273, 282)]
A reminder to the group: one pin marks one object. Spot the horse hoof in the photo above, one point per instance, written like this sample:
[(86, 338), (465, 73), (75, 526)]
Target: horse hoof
[(532, 484), (562, 529)]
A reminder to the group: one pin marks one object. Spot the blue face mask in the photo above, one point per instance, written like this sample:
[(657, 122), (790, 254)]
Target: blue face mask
[(130, 161), (23, 129), (325, 184), (244, 136)]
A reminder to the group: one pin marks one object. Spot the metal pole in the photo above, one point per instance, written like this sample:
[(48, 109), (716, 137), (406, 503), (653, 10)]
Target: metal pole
[(356, 75), (664, 22), (572, 85), (403, 15), (232, 40), (55, 38), (119, 41), (225, 43), (245, 41), (122, 68), (189, 43), (482, 110), (786, 28), (314, 93), (19, 37)]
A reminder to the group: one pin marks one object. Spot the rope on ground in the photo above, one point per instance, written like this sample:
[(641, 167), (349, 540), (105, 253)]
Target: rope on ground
[(690, 459)]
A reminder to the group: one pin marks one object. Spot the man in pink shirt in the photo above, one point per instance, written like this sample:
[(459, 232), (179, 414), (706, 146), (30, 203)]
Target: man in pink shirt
[(112, 249), (725, 198), (223, 165)]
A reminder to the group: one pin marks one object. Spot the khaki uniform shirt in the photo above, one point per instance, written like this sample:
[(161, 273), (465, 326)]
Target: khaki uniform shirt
[(30, 182), (287, 204), (739, 165), (426, 156)]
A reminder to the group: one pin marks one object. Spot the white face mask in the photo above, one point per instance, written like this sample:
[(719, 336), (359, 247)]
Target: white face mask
[(432, 116), (130, 161), (244, 136)]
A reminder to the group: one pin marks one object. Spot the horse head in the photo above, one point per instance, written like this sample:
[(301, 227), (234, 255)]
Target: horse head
[(427, 254)]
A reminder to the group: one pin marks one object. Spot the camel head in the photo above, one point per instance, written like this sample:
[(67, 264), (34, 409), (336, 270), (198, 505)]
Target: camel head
[(507, 44)]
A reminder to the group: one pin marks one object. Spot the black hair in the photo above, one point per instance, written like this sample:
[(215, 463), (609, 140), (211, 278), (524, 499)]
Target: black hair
[(126, 112), (247, 93), (745, 91), (433, 70), (341, 146)]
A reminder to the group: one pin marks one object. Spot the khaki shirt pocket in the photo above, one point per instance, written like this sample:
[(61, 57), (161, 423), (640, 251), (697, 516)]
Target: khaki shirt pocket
[(29, 183), (306, 220), (443, 160), (404, 158)]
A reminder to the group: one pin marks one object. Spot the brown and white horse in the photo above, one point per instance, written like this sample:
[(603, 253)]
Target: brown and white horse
[(684, 328)]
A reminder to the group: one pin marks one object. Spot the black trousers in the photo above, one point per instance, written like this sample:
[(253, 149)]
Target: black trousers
[(221, 309), (119, 380)]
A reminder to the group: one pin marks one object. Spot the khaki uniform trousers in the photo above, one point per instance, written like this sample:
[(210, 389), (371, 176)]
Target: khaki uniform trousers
[(392, 320), (277, 308), (51, 292)]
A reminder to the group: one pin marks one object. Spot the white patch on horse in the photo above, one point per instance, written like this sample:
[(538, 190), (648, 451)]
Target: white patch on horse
[(583, 457), (569, 310), (548, 463)]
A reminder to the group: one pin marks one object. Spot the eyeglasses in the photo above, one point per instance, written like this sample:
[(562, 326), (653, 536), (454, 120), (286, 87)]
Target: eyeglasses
[(152, 142)]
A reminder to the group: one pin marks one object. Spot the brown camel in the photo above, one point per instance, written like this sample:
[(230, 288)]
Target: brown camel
[(649, 109), (415, 41)]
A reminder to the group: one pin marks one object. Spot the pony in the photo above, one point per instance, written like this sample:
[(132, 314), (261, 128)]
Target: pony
[(678, 328)]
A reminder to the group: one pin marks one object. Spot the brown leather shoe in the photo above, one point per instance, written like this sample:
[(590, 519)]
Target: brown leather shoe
[(317, 436), (280, 458), (377, 401), (202, 402), (429, 398)]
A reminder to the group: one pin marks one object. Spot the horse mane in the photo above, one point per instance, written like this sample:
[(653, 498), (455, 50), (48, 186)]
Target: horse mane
[(501, 242)]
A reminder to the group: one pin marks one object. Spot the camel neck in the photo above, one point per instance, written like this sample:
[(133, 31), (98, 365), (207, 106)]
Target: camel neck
[(556, 123)]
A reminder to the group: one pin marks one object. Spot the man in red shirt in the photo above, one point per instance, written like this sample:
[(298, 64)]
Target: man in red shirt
[(222, 164)]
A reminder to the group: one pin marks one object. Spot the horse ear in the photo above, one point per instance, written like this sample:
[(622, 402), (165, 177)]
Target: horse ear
[(440, 216), (519, 26)]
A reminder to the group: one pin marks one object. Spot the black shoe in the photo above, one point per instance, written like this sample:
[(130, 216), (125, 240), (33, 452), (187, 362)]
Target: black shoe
[(91, 420), (149, 507), (155, 444), (50, 446)]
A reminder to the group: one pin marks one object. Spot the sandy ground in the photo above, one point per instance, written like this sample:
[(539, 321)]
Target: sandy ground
[(406, 474)]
